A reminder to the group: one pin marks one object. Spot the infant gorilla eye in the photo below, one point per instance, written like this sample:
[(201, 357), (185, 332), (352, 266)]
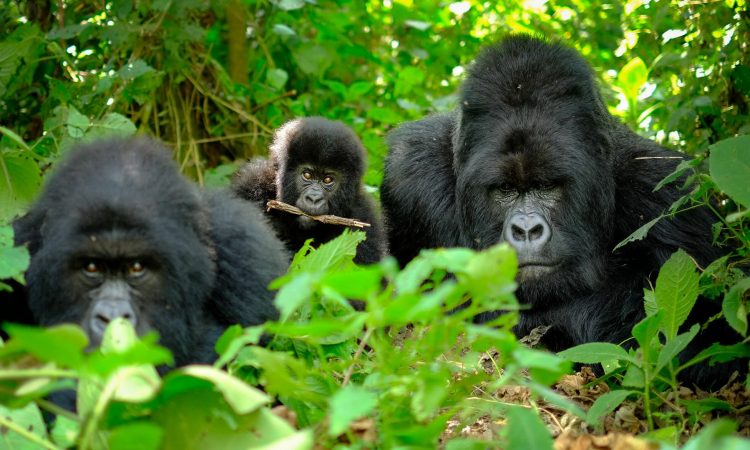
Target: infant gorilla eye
[(328, 180), (307, 175), (90, 268), (506, 188), (135, 269), (545, 186)]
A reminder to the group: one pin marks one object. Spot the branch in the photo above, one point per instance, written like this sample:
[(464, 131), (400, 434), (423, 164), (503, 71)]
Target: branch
[(326, 218)]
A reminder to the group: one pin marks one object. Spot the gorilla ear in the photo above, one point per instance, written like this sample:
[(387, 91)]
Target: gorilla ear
[(30, 229)]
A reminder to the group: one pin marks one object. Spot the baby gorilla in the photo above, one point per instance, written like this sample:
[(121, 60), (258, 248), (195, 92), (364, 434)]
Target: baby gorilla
[(317, 165), (118, 232)]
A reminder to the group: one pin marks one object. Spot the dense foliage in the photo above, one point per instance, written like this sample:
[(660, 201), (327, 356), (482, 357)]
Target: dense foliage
[(214, 79)]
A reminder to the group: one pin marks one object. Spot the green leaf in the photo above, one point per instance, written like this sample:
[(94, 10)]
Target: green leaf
[(77, 124), (595, 352), (677, 288), (638, 234), (136, 436), (729, 164), (112, 124), (605, 404), (61, 344), (294, 294), (13, 260), (283, 30), (734, 306), (417, 24), (242, 397), (646, 330), (312, 59), (28, 419), (673, 347), (632, 76), (526, 430), (649, 302), (277, 78), (385, 115), (349, 404), (20, 182), (289, 5), (713, 436), (720, 353), (681, 168)]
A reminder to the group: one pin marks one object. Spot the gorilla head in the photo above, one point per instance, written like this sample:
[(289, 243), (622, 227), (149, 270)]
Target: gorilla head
[(533, 165), (320, 164), (118, 232)]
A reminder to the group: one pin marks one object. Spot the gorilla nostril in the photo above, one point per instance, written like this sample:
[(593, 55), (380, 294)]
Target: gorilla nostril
[(536, 232), (517, 233)]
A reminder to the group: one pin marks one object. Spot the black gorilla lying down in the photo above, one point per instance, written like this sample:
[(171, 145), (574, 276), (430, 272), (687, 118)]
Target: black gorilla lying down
[(118, 232), (317, 165), (533, 157)]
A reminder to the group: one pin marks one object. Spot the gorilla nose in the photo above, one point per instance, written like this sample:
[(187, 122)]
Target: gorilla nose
[(527, 232), (315, 200), (106, 311)]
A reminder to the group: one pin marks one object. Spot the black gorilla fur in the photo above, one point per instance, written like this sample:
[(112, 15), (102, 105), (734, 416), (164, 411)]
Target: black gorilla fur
[(185, 263), (532, 138), (321, 147)]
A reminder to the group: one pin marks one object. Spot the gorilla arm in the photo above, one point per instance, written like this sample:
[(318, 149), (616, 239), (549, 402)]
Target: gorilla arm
[(418, 191)]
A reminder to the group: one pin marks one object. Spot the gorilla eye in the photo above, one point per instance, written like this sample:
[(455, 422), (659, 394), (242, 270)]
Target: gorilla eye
[(506, 188), (135, 269), (545, 186), (91, 268), (328, 179), (307, 175)]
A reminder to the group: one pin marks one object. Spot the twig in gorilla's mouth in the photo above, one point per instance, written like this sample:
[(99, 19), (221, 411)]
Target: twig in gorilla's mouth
[(325, 218)]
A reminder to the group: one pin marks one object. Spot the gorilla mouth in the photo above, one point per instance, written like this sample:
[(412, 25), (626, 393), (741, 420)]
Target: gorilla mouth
[(534, 269), (305, 222)]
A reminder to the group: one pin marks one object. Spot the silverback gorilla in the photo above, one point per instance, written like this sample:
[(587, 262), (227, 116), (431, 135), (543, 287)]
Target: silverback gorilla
[(317, 165), (118, 232), (532, 157)]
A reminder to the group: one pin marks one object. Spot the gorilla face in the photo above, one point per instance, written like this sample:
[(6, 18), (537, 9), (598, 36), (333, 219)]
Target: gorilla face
[(315, 188), (541, 187)]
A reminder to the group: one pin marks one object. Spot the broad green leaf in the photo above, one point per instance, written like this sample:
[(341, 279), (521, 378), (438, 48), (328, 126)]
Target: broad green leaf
[(242, 397), (77, 124), (526, 430), (134, 69), (65, 431), (595, 352), (417, 24), (61, 344), (349, 404), (277, 78), (713, 436), (293, 294), (29, 419), (681, 168), (385, 115), (646, 330), (112, 124), (729, 164), (136, 436), (312, 59), (605, 404), (673, 347), (632, 76), (357, 283), (734, 306), (20, 182), (676, 291), (720, 353), (13, 260), (136, 384)]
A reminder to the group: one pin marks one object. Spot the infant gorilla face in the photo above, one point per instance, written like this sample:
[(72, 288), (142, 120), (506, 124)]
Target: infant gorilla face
[(316, 187)]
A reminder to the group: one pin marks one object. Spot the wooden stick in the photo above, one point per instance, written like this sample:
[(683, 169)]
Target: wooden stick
[(325, 218)]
